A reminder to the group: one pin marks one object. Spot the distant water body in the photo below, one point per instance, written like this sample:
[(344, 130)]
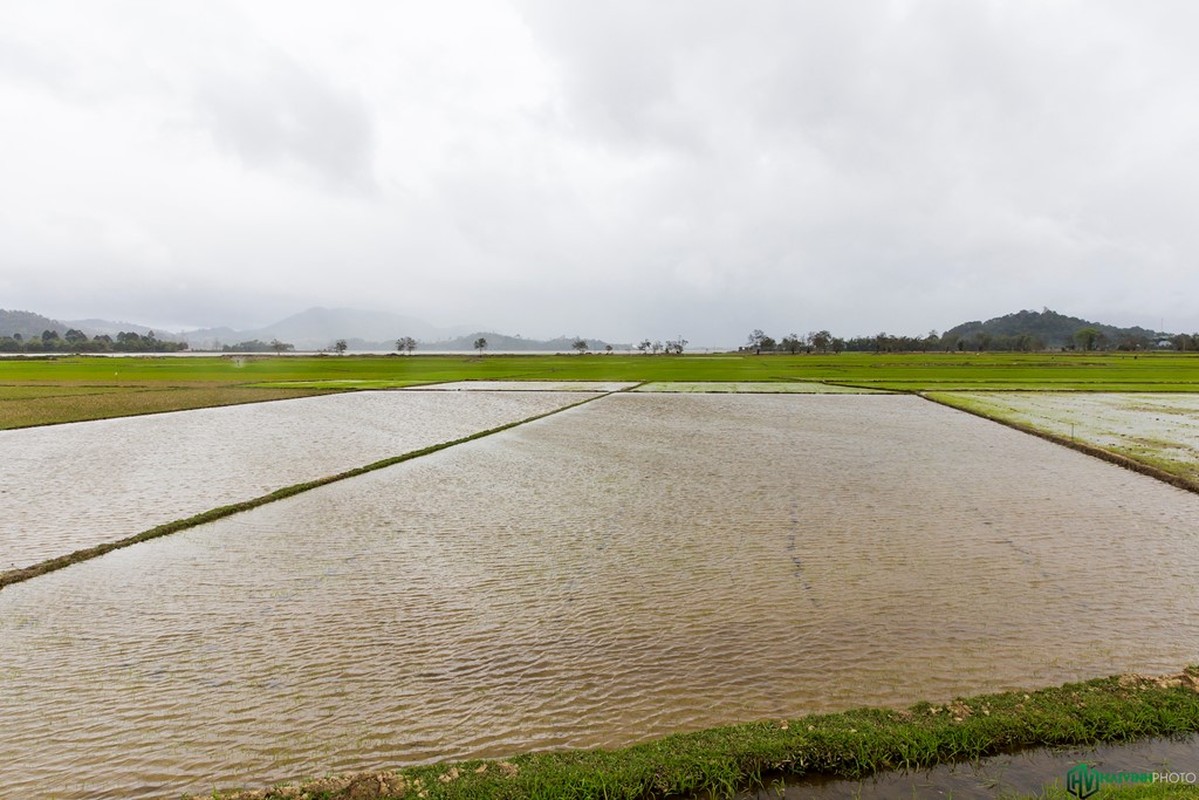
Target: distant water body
[(331, 354)]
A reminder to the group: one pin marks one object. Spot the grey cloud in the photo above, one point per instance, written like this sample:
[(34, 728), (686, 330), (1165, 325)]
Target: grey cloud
[(24, 63), (694, 167), (897, 143), (622, 81), (276, 112), (196, 304)]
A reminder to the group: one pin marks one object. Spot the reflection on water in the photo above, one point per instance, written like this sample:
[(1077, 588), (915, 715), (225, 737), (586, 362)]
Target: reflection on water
[(66, 487), (639, 565), (1024, 773), (523, 386)]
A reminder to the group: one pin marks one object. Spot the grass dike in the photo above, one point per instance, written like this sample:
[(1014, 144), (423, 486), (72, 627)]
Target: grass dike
[(723, 761)]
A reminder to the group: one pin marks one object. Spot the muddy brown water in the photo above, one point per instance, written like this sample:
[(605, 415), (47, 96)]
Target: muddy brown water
[(639, 565), (67, 487)]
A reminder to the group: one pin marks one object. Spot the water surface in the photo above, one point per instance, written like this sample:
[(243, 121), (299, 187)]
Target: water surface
[(639, 565), (66, 487), (1027, 772), (523, 386)]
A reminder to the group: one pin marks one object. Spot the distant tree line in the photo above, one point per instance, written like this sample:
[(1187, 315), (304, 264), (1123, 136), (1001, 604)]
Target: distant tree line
[(1185, 342), (582, 347), (669, 347), (256, 346), (1048, 330), (1087, 339), (759, 342), (76, 341)]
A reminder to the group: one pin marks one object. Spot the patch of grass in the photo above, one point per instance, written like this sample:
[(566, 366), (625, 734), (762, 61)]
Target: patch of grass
[(722, 761), (1184, 467), (905, 372), (56, 406), (20, 392), (342, 384)]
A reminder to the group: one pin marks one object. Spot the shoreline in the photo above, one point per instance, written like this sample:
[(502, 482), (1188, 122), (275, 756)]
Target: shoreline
[(723, 761)]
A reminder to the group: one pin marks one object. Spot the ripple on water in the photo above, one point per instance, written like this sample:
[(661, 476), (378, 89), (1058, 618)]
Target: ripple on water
[(639, 565), (88, 483)]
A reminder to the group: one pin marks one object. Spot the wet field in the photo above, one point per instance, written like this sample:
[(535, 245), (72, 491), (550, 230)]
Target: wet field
[(637, 565), (750, 387), (1013, 774), (1162, 429), (66, 487)]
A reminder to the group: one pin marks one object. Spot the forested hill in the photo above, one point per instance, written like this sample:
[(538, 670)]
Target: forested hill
[(27, 324), (1050, 328), (26, 332)]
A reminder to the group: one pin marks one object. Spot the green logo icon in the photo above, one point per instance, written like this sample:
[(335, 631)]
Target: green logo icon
[(1082, 781)]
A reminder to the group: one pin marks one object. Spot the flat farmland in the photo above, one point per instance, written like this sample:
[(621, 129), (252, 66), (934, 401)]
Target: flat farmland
[(33, 391), (634, 566), (608, 549), (1158, 430), (69, 487)]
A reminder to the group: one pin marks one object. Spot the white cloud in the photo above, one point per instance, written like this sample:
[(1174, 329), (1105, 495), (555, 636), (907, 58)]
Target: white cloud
[(616, 169), (279, 114)]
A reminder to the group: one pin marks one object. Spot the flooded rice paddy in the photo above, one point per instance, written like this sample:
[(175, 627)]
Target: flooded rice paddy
[(66, 487), (752, 387), (1154, 427), (637, 565), (524, 386)]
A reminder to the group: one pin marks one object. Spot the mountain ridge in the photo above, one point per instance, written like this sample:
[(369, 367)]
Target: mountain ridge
[(317, 328), (27, 323), (1049, 329)]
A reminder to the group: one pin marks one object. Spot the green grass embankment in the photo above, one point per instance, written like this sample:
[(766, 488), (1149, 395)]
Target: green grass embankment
[(722, 761), (33, 410)]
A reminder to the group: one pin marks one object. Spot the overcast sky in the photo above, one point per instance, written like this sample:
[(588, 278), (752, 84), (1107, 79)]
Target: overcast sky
[(616, 169)]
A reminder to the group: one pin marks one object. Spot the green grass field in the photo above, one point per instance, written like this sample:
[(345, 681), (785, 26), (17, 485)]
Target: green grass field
[(47, 391)]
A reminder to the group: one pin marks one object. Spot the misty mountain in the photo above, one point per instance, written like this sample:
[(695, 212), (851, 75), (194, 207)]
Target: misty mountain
[(97, 327), (1051, 328), (318, 328), (314, 329), (503, 343), (28, 324)]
